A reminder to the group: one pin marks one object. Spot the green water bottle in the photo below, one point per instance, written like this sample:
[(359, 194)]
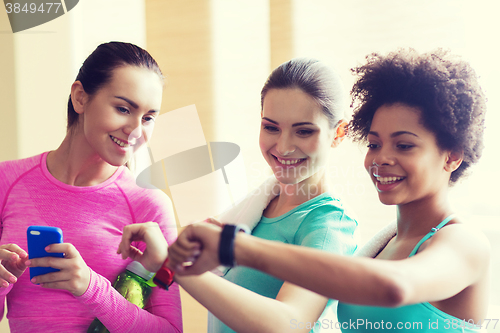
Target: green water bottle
[(131, 284)]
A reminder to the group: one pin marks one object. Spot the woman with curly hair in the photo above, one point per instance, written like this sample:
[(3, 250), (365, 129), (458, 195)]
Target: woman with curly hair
[(422, 116), (423, 119)]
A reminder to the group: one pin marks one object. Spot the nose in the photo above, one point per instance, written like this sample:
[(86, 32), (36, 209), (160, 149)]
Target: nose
[(285, 145), (133, 129), (383, 157)]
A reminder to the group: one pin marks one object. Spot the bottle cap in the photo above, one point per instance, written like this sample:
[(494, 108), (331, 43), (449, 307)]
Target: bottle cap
[(136, 268)]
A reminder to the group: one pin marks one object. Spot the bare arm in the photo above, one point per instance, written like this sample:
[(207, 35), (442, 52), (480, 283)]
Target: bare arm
[(454, 259), (245, 311), (239, 308)]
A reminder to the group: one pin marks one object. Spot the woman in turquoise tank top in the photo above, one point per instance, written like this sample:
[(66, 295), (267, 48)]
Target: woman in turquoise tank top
[(422, 117), (302, 119)]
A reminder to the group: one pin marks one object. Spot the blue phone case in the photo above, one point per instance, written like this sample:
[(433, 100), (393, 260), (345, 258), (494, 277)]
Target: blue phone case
[(38, 238)]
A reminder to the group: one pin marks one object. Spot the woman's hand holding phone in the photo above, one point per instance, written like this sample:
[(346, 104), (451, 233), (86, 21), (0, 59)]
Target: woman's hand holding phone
[(54, 264), (73, 274)]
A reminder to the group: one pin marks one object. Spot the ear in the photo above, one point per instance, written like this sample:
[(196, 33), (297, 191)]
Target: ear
[(453, 160), (78, 97), (340, 133)]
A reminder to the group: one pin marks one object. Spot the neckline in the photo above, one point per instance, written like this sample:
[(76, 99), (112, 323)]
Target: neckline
[(431, 233), (72, 188), (293, 210)]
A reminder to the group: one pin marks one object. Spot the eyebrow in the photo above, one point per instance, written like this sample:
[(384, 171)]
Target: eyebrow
[(134, 105), (395, 134), (294, 125)]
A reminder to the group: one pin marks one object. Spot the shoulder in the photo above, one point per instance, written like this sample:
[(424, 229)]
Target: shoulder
[(11, 171), (327, 226), (328, 211), (462, 235), (464, 240), (15, 168)]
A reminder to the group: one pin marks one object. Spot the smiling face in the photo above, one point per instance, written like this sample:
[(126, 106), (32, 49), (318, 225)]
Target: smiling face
[(295, 136), (403, 158), (119, 117)]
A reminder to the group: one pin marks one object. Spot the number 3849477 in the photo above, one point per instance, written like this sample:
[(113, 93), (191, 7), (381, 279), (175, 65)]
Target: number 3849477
[(32, 8)]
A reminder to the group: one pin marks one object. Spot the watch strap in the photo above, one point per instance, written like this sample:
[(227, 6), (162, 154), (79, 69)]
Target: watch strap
[(226, 244), (164, 277)]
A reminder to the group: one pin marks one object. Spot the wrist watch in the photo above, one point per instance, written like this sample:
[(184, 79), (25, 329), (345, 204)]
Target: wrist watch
[(226, 244), (164, 277)]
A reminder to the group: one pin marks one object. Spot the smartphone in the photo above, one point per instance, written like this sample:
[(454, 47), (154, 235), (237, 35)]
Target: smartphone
[(38, 238)]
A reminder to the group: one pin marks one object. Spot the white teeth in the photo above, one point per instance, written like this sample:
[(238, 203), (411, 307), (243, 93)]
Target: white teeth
[(119, 142), (289, 162), (389, 180)]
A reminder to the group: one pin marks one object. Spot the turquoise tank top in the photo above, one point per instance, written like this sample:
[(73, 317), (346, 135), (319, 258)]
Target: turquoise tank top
[(321, 223), (421, 317)]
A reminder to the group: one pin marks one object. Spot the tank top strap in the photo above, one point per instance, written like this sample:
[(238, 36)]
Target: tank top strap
[(431, 233)]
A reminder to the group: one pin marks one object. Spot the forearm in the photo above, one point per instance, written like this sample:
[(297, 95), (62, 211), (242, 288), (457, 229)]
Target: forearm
[(243, 310), (328, 274), (119, 315)]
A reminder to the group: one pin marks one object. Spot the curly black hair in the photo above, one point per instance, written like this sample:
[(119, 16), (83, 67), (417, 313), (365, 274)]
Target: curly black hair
[(444, 87)]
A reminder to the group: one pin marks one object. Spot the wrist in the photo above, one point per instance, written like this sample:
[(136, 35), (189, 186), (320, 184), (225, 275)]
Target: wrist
[(226, 243), (240, 255), (164, 277)]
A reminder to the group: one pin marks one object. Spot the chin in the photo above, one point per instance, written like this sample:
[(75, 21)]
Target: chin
[(388, 200), (116, 162), (286, 180)]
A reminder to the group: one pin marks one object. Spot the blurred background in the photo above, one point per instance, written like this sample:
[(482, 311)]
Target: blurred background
[(216, 54)]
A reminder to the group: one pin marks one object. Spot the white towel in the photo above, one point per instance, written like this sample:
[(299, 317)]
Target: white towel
[(249, 210), (378, 242)]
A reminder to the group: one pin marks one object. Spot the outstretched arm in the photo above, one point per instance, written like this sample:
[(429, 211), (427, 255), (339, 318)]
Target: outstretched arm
[(454, 259), (246, 311), (239, 308)]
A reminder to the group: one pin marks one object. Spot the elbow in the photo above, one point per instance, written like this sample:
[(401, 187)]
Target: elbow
[(395, 295), (389, 287), (397, 291)]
